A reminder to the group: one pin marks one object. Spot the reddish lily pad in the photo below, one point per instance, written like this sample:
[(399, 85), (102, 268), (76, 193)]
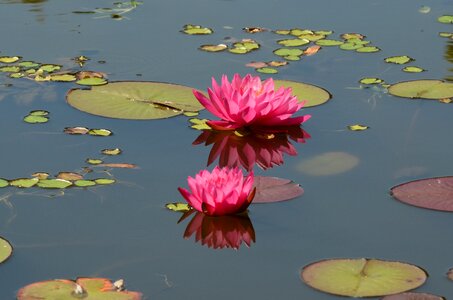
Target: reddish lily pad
[(413, 296), (273, 189), (432, 193), (362, 277), (82, 288)]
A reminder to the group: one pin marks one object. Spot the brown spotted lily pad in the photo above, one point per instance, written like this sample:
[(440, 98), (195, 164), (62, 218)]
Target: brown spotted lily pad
[(273, 189), (82, 288), (432, 193), (362, 277)]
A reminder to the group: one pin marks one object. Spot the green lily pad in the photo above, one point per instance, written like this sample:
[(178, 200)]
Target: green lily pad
[(350, 46), (292, 57), (199, 124), (244, 46), (115, 151), (400, 60), (362, 277), (298, 31), (35, 119), (196, 30), (413, 69), (413, 296), (179, 207), (63, 77), (10, 69), (329, 163), (99, 132), (39, 112), (447, 19), (446, 34), (135, 100), (3, 183), (5, 250), (16, 75), (358, 127), (422, 89), (84, 183), (9, 59), (28, 64), (104, 181), (49, 68), (82, 288), (371, 80), (267, 70), (213, 48), (293, 42), (288, 52), (24, 182), (92, 81), (93, 161), (311, 94), (54, 183), (329, 42), (282, 31), (368, 49), (312, 37)]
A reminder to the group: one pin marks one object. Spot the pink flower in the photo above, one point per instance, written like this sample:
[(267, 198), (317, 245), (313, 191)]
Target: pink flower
[(221, 232), (248, 102), (225, 191)]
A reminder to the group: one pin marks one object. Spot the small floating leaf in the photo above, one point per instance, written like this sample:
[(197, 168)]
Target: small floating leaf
[(349, 36), (329, 43), (39, 113), (400, 60), (16, 75), (100, 132), (267, 70), (256, 64), (76, 130), (282, 31), (5, 250), (196, 29), (49, 68), (9, 59), (288, 52), (94, 161), (275, 63), (199, 124), (329, 163), (41, 175), (368, 49), (447, 19), (213, 48), (35, 119), (324, 32), (24, 182), (63, 78), (114, 151), (190, 114), (311, 37), (10, 69), (350, 46), (93, 81), (104, 181), (54, 183), (357, 127), (413, 296), (179, 207), (28, 64), (371, 80), (69, 176), (423, 89), (311, 94), (293, 42), (3, 183), (84, 183), (362, 277), (292, 57), (312, 50), (118, 165), (413, 69), (446, 34), (432, 193), (254, 29), (273, 189)]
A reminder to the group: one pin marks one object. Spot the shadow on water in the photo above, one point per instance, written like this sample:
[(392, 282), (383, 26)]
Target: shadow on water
[(449, 57)]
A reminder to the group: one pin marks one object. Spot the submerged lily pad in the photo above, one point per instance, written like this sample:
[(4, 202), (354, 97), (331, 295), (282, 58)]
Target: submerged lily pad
[(329, 163), (82, 288), (5, 250), (423, 89), (432, 193), (311, 94), (400, 60), (273, 189), (135, 100), (362, 277), (54, 183)]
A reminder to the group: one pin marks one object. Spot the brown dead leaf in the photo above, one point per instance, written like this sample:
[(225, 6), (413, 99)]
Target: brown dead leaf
[(118, 165), (256, 64), (90, 74), (312, 50), (76, 130), (69, 176)]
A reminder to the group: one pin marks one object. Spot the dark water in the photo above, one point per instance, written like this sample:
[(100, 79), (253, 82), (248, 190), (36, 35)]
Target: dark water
[(124, 231)]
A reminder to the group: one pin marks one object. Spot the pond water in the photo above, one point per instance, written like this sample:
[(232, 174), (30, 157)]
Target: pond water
[(124, 231)]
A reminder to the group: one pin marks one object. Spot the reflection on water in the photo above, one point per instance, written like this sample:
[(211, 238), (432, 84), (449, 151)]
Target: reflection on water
[(221, 232), (449, 57), (36, 7), (266, 149)]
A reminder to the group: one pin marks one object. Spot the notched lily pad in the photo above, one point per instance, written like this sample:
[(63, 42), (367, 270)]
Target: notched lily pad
[(400, 60), (196, 30), (267, 70), (311, 94), (422, 89), (177, 206), (135, 100), (288, 52), (368, 49), (5, 250), (362, 277), (273, 189), (244, 46)]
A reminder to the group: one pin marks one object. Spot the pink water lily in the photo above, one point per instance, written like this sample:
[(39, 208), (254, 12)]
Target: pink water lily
[(249, 102), (224, 191)]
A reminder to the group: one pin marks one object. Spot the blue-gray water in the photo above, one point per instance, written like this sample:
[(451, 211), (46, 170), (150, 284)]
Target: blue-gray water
[(124, 231)]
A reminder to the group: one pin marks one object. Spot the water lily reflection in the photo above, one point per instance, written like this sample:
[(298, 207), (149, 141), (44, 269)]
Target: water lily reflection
[(265, 148), (221, 232)]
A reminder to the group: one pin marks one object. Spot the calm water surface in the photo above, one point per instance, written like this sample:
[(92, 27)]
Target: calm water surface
[(124, 231)]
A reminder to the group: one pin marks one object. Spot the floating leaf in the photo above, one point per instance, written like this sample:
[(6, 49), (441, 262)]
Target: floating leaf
[(104, 181), (312, 37), (256, 64), (293, 42), (267, 70), (118, 165), (413, 69), (446, 100), (273, 189), (368, 49), (135, 100), (282, 31), (3, 183), (244, 46), (433, 193), (10, 69), (179, 207), (69, 176), (93, 81), (324, 32), (54, 183), (413, 296), (362, 277), (329, 43), (35, 119), (447, 19), (254, 29), (24, 182), (114, 151), (16, 75), (82, 288), (190, 114), (199, 124), (9, 59), (41, 175), (94, 161), (446, 34), (213, 48), (358, 127), (5, 250), (63, 78), (100, 132), (288, 52), (349, 36), (196, 30), (292, 57), (423, 89), (275, 63), (49, 68), (350, 46), (400, 60), (311, 94), (298, 31), (28, 64), (84, 183), (39, 113), (371, 80), (312, 50), (76, 130), (329, 163)]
